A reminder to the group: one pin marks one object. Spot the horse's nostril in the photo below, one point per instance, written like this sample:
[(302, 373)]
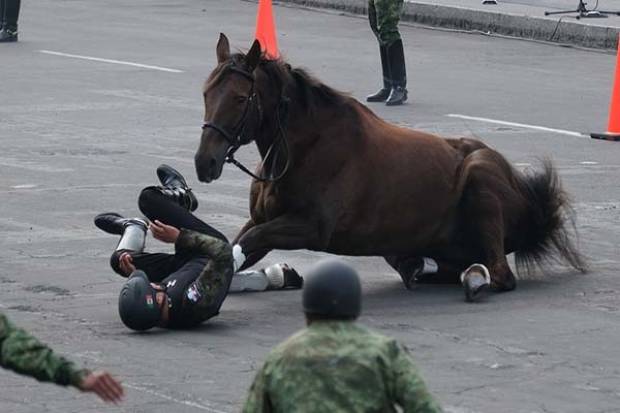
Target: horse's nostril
[(212, 164)]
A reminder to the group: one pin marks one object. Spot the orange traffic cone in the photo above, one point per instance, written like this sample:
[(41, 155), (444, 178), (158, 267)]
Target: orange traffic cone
[(266, 29), (613, 129)]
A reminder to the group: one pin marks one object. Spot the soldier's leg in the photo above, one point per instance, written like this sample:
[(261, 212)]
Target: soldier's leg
[(382, 94), (388, 17), (157, 205), (274, 277), (11, 14), (2, 2), (372, 18)]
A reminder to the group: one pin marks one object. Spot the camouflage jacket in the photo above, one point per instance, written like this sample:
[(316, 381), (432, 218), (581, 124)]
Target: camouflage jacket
[(203, 297), (337, 366), (24, 354)]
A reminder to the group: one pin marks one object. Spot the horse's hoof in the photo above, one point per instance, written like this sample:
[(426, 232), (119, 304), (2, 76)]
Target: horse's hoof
[(475, 288), (476, 282), (410, 283)]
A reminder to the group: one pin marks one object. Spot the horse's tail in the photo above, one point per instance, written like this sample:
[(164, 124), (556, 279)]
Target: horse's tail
[(549, 223)]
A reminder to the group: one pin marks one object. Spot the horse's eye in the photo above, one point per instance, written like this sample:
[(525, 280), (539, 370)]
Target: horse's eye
[(241, 99)]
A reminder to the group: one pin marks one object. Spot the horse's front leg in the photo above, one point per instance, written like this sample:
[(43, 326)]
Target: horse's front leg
[(254, 257), (286, 232), (245, 228)]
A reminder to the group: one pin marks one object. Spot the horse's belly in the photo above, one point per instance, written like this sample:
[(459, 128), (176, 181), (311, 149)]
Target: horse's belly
[(414, 217), (377, 246), (396, 235)]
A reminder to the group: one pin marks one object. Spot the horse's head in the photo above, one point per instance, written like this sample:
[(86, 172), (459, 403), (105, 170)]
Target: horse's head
[(232, 111)]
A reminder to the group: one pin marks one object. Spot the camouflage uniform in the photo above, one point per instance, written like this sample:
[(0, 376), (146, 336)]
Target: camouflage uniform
[(196, 299), (338, 366), (24, 354), (384, 16)]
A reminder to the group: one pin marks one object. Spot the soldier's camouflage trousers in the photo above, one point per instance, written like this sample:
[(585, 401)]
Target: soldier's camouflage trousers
[(384, 16)]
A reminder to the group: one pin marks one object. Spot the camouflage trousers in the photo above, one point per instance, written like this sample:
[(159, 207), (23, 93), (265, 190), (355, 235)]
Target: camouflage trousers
[(384, 16)]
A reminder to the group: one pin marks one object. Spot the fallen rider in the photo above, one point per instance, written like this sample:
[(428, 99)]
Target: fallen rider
[(183, 289)]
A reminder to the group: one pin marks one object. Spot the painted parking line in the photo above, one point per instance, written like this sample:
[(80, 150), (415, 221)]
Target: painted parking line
[(118, 62), (518, 125), (24, 186), (164, 396)]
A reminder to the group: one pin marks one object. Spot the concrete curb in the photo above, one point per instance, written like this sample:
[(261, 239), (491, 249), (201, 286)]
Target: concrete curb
[(537, 28)]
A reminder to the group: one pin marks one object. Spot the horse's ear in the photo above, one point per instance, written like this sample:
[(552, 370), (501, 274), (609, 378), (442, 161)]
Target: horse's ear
[(253, 56), (222, 49)]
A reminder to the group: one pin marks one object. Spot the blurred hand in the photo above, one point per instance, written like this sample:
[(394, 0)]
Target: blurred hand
[(163, 232), (126, 263), (103, 385)]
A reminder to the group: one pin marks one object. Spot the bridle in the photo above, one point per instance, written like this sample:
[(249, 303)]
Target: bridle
[(238, 137)]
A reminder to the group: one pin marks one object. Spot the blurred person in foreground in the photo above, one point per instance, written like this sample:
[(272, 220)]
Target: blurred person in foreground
[(334, 364), (24, 354)]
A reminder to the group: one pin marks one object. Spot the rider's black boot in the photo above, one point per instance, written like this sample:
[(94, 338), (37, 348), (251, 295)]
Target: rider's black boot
[(384, 92), (176, 188), (132, 232), (116, 224), (396, 58)]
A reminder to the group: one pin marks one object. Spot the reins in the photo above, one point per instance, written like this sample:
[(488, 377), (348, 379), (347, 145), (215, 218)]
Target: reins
[(236, 139)]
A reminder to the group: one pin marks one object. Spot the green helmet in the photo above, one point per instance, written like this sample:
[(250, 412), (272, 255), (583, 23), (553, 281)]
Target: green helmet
[(137, 304), (332, 289)]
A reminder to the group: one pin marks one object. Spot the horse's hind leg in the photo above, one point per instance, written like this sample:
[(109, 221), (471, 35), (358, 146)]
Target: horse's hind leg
[(414, 270), (484, 196)]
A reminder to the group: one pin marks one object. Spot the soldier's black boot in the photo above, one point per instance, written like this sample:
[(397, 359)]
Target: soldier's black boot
[(384, 92), (396, 58), (7, 36), (9, 12), (176, 188)]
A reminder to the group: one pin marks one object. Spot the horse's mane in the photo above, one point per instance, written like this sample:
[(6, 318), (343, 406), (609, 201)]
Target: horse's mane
[(315, 93), (309, 91)]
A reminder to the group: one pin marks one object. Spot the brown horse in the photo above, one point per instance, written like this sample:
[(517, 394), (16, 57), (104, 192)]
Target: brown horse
[(335, 177)]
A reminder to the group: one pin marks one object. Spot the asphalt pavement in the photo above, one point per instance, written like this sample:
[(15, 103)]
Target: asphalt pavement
[(97, 94)]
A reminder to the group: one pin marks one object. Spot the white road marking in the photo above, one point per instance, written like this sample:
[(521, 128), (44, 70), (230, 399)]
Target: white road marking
[(172, 399), (118, 62), (75, 188), (588, 163), (25, 186), (518, 125), (522, 164)]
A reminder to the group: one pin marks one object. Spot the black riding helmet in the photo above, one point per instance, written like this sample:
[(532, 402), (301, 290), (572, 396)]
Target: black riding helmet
[(137, 304), (332, 289)]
